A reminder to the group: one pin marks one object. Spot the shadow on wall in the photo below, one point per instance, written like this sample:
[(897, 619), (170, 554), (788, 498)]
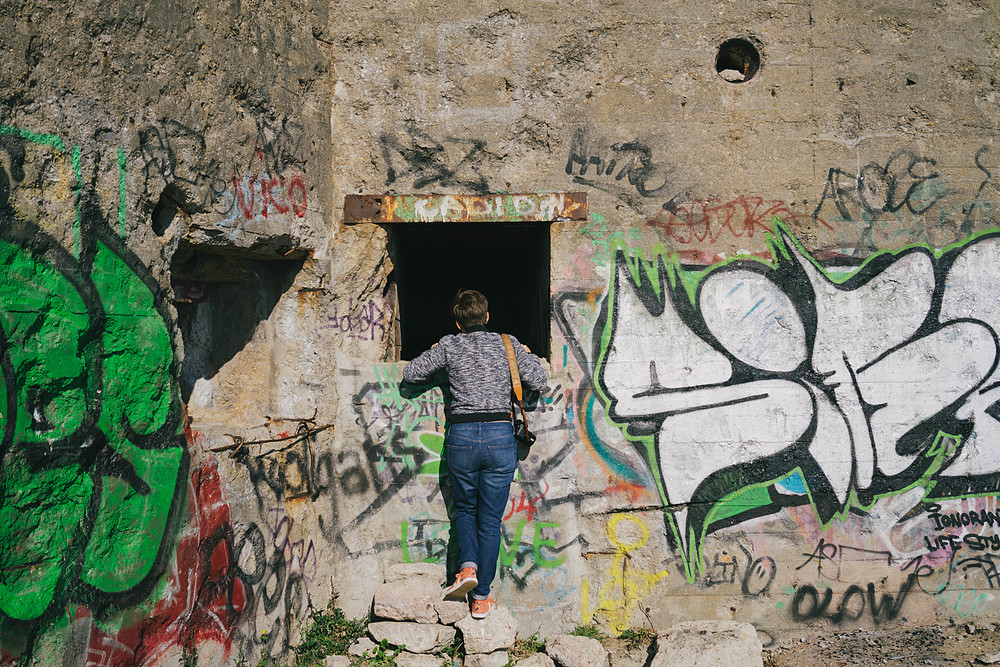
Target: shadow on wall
[(221, 298)]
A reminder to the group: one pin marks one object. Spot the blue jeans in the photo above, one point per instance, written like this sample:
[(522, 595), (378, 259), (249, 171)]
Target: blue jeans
[(482, 458)]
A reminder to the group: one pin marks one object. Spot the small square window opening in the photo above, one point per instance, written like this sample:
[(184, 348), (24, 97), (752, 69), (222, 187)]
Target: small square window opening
[(507, 262)]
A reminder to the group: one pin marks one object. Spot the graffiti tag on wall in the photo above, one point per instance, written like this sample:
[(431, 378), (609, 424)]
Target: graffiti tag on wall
[(783, 382)]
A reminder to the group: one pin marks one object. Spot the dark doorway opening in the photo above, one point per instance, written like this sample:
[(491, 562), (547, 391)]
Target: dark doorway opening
[(508, 262)]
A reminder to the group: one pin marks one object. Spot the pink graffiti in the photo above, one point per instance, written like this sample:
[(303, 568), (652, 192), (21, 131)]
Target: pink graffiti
[(366, 321)]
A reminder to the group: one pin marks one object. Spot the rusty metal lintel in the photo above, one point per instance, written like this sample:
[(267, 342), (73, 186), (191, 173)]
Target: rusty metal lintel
[(543, 207)]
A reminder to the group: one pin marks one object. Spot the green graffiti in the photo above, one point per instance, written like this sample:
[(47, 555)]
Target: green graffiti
[(92, 455), (50, 140), (434, 443), (604, 244), (426, 540), (413, 419), (509, 555), (121, 191)]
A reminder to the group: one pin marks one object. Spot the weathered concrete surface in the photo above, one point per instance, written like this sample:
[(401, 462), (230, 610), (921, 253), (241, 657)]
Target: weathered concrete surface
[(203, 436)]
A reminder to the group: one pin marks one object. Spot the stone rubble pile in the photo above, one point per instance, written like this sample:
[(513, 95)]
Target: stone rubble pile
[(411, 612)]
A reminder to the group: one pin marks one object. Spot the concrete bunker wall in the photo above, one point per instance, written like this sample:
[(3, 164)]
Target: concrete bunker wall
[(772, 345)]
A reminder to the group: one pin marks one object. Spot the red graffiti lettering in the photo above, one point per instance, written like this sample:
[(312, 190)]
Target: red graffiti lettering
[(708, 220), (299, 204), (525, 504)]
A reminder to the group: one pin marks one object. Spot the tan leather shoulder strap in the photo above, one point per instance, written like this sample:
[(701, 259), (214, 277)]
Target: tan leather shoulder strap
[(515, 377)]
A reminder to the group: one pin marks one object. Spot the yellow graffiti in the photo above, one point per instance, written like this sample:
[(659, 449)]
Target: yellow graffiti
[(620, 596)]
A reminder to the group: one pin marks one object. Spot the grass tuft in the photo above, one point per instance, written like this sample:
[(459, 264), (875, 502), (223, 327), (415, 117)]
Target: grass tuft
[(328, 633), (380, 656), (522, 648), (591, 631), (636, 638)]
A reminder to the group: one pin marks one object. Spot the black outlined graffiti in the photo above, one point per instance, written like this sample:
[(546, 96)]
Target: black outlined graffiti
[(607, 168), (293, 471), (886, 200), (451, 162), (906, 180), (199, 184), (809, 604), (787, 371), (828, 557), (280, 144), (755, 574), (571, 310)]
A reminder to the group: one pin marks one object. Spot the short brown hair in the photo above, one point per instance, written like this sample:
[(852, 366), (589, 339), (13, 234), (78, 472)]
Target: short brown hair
[(469, 308)]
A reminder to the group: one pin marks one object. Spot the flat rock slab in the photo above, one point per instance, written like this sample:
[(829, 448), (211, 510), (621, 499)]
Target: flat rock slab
[(573, 651), (451, 612), (629, 658), (360, 646), (496, 631), (336, 661), (415, 637), (709, 643), (407, 659), (536, 660), (402, 571), (411, 599), (495, 659)]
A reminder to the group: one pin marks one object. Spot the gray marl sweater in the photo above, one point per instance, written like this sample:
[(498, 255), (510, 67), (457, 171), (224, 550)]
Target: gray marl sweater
[(477, 369)]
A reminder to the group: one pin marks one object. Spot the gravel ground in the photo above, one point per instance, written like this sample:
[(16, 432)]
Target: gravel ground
[(932, 645)]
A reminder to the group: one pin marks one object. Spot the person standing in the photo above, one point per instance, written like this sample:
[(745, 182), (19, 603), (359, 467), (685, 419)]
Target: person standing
[(479, 437)]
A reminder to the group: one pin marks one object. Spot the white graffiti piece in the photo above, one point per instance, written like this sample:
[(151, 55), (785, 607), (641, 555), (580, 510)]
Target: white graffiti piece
[(752, 371)]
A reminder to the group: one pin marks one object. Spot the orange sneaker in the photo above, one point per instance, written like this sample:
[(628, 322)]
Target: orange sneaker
[(465, 581), (482, 608)]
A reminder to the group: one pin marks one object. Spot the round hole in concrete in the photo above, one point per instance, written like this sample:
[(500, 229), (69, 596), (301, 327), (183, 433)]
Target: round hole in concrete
[(737, 61)]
